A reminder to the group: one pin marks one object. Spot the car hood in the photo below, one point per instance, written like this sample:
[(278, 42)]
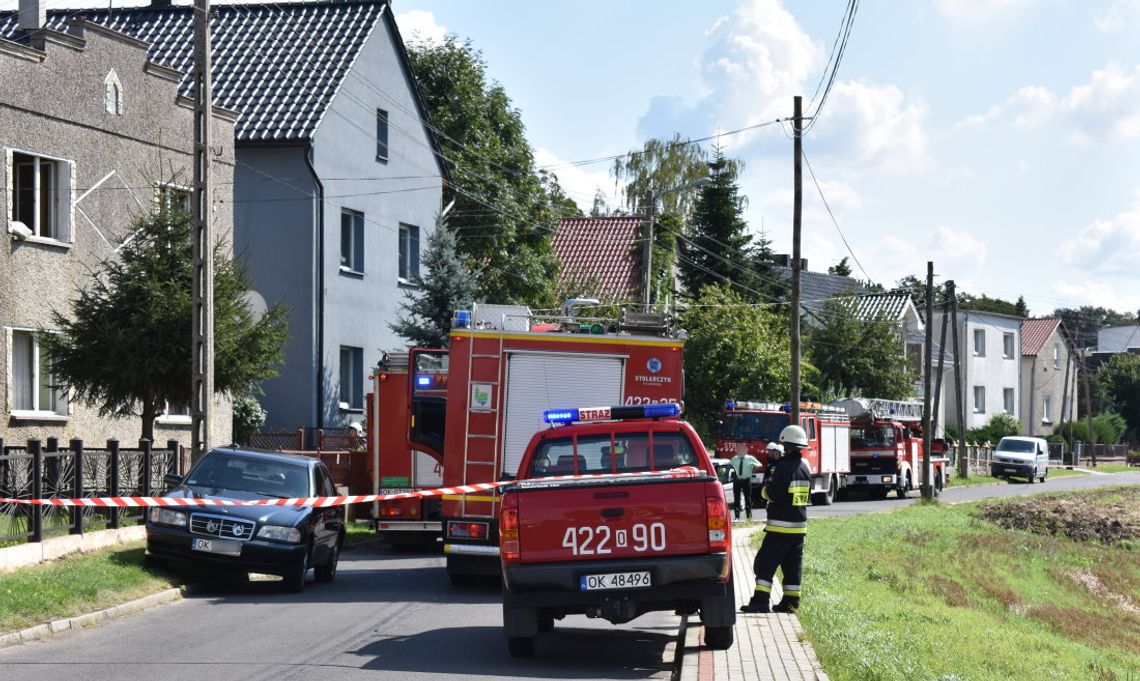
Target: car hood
[(266, 515)]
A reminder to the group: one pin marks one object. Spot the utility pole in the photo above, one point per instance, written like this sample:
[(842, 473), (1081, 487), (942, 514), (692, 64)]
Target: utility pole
[(647, 250), (941, 361), (202, 330), (959, 408), (1067, 398), (927, 488), (1088, 400), (797, 213)]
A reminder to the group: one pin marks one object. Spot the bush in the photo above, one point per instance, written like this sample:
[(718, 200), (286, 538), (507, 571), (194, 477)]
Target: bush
[(999, 426), (1108, 429), (248, 417)]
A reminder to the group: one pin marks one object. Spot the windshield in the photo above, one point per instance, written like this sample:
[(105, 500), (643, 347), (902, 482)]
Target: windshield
[(865, 437), (753, 426), (1016, 446), (220, 470), (621, 453)]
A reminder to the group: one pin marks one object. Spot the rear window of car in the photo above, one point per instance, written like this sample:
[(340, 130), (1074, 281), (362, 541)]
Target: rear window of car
[(629, 452), (237, 473)]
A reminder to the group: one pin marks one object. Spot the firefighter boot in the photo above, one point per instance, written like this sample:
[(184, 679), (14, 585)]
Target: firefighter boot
[(789, 605), (758, 604)]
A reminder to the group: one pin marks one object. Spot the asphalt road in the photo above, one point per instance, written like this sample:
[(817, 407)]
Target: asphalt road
[(387, 616)]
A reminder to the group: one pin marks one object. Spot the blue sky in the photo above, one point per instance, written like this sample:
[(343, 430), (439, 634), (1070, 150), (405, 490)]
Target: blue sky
[(998, 138)]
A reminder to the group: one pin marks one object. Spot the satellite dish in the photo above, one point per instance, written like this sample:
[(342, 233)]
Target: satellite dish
[(255, 303)]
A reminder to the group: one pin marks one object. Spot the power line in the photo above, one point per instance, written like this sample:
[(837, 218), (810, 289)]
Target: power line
[(835, 60), (833, 220)]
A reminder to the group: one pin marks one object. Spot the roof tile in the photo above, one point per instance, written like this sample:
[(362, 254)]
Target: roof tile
[(602, 250), (1035, 333)]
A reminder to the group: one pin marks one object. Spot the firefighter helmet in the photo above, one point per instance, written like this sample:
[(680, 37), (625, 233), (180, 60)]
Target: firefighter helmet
[(794, 435), (775, 447)]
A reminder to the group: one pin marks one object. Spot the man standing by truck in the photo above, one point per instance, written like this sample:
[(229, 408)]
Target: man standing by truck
[(744, 464), (787, 490)]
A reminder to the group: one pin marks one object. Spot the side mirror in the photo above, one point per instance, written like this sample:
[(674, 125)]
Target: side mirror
[(172, 479), (507, 477)]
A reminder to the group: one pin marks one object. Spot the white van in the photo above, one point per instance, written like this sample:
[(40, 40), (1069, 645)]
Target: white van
[(1023, 457)]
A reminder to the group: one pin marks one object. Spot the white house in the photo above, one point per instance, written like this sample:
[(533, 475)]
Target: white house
[(990, 346)]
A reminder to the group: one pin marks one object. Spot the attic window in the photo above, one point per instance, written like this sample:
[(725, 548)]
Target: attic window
[(113, 94)]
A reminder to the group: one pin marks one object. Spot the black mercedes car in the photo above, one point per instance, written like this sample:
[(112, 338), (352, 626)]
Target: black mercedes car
[(275, 540)]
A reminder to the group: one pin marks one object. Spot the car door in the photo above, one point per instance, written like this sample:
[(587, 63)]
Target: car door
[(332, 520)]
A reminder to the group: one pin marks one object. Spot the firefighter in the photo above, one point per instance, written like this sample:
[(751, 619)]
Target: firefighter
[(743, 463), (787, 489)]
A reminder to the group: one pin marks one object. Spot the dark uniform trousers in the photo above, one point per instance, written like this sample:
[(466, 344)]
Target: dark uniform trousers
[(742, 487), (785, 551)]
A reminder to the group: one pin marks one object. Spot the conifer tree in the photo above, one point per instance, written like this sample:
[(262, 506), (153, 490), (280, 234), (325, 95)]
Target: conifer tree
[(448, 286)]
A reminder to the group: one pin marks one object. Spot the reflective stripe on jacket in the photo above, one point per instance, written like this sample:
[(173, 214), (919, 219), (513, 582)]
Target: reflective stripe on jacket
[(788, 491)]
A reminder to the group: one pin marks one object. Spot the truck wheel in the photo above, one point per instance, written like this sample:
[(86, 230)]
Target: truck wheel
[(904, 488), (521, 646), (826, 498), (718, 638)]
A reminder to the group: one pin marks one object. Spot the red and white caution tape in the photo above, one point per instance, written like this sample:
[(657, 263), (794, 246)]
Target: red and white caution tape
[(320, 502)]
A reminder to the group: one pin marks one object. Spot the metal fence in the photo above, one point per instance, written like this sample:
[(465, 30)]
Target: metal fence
[(44, 470), (309, 439)]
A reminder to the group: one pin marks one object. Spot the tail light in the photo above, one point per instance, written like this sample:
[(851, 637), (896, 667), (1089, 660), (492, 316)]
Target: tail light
[(716, 514), (509, 529)]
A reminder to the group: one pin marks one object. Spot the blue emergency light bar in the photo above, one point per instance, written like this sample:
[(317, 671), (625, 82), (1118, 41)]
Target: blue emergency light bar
[(583, 414), (423, 381)]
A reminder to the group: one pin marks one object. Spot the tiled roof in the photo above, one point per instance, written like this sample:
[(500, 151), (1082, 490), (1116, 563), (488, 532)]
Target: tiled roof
[(601, 249), (279, 65), (891, 305), (1035, 333), (817, 287)]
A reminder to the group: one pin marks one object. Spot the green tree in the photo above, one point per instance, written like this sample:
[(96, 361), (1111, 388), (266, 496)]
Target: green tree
[(983, 303), (1020, 308), (1120, 379), (425, 318), (841, 268), (126, 345), (733, 350), (999, 426), (505, 209), (661, 165), (858, 357), (1082, 323), (1108, 428)]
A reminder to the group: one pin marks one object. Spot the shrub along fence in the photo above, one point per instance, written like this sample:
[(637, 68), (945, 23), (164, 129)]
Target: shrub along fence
[(42, 470)]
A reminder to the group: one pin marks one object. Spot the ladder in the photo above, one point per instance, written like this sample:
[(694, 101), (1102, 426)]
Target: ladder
[(482, 425)]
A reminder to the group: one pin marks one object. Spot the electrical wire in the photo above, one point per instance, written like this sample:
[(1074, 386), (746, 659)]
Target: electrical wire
[(833, 220)]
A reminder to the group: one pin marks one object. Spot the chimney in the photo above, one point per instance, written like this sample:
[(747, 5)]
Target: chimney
[(33, 15)]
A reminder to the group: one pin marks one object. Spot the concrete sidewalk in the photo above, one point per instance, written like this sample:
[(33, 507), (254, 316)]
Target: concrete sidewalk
[(767, 647)]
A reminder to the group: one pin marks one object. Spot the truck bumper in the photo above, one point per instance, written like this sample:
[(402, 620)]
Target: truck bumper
[(1003, 470), (409, 526), (870, 480)]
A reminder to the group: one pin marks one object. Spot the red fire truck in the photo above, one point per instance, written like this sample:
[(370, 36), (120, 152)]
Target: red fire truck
[(886, 447), (749, 426), (472, 409)]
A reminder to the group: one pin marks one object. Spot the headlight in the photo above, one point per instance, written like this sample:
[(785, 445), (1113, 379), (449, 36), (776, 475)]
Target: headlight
[(280, 533), (165, 516)]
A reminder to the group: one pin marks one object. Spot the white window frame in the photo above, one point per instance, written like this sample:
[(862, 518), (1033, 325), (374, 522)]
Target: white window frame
[(62, 213), (1008, 346), (979, 348), (1056, 355), (113, 94), (1047, 409), (408, 269), (979, 404), (1008, 400), (62, 406), (170, 417), (351, 378), (355, 241)]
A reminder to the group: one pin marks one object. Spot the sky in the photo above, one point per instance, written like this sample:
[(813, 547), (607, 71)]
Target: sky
[(999, 139)]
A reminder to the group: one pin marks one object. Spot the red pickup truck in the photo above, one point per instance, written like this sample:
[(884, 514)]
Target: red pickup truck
[(616, 512)]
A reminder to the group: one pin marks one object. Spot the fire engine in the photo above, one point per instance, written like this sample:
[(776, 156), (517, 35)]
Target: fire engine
[(886, 447), (466, 414), (748, 427)]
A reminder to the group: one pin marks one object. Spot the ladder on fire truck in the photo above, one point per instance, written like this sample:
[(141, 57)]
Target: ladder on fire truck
[(489, 373)]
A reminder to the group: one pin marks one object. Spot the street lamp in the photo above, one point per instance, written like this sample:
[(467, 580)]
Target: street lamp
[(650, 205)]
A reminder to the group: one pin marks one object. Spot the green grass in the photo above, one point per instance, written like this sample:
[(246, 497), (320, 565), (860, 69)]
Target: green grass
[(76, 585), (933, 592), (1115, 468), (989, 480), (355, 533)]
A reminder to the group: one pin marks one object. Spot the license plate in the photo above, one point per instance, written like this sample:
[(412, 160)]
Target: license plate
[(227, 547), (618, 580)]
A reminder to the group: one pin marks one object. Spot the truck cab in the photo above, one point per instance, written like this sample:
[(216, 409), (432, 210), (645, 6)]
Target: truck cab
[(616, 512)]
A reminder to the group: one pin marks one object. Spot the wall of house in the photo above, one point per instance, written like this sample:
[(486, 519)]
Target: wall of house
[(1043, 377), (990, 370), (275, 214), (406, 189), (52, 103)]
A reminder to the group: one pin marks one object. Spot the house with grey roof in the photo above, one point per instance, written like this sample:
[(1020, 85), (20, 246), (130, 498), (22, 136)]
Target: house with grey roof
[(338, 177), (817, 287), (93, 134)]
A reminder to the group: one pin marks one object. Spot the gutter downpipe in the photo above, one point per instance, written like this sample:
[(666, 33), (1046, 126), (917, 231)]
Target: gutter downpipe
[(319, 303), (1032, 397)]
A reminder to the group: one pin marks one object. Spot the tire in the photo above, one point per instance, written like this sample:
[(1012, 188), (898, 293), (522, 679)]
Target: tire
[(1032, 477), (719, 638), (1045, 476), (520, 646), (294, 581), (938, 483), (327, 572), (545, 623), (826, 498), (904, 489)]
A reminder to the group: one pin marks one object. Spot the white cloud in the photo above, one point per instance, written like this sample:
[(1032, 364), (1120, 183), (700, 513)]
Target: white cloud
[(579, 183), (952, 250), (1117, 15), (875, 125), (1095, 292), (1109, 246), (979, 10), (420, 24)]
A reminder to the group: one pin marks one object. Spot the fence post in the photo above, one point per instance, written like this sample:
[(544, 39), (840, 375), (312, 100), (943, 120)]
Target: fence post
[(37, 518), (144, 445), (113, 448), (76, 448), (300, 439), (175, 465)]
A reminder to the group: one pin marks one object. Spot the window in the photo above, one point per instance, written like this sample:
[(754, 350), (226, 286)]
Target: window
[(1056, 356), (979, 342), (174, 197), (41, 188), (381, 135), (351, 378), (33, 386), (352, 241), (113, 94), (979, 399), (175, 413), (1047, 409), (1007, 400), (409, 254), (1007, 345)]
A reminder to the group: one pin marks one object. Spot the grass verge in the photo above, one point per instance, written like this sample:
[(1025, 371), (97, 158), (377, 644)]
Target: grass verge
[(76, 585), (355, 533), (934, 592), (988, 480), (1115, 468)]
